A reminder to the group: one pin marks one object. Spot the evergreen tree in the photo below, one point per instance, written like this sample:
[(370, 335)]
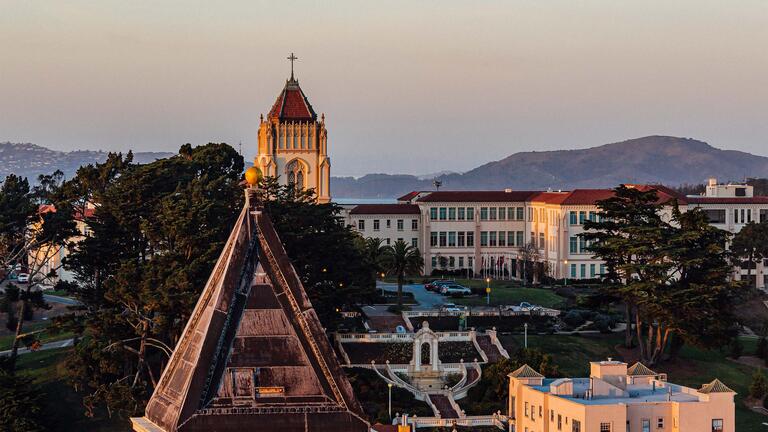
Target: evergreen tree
[(673, 276), (155, 235), (626, 236), (20, 404), (750, 245), (331, 259)]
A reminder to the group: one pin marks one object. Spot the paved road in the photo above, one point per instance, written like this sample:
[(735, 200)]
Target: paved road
[(426, 299), (46, 346), (63, 300)]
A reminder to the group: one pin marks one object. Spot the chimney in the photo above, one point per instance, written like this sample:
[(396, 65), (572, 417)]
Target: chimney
[(712, 181)]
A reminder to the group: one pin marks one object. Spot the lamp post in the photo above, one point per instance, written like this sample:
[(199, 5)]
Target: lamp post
[(382, 284), (389, 385), (525, 338), (566, 272), (488, 291)]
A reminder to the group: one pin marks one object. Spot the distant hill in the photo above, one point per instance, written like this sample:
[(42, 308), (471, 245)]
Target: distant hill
[(30, 160), (654, 159)]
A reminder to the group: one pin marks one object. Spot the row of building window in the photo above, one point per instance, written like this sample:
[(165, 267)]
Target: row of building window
[(414, 241), (580, 271), (579, 217), (452, 262), (452, 239), (501, 238), (468, 213), (578, 245), (298, 138), (388, 222)]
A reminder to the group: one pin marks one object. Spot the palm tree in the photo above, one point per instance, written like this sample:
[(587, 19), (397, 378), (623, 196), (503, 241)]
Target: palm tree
[(402, 259), (376, 250)]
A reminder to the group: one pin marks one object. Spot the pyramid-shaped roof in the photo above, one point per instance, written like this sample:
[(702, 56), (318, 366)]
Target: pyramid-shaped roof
[(525, 371), (639, 369), (253, 355), (716, 386), (292, 104)]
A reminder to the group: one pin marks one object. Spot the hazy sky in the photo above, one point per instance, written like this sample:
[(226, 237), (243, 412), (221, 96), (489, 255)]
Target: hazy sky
[(410, 87)]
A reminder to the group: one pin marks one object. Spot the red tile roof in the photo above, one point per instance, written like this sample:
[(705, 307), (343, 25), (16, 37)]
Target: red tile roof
[(550, 197), (385, 209), (409, 196), (478, 196), (587, 196), (727, 200), (88, 212), (292, 105)]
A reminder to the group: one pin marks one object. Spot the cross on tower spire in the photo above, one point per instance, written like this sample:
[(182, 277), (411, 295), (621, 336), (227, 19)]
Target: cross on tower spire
[(292, 58)]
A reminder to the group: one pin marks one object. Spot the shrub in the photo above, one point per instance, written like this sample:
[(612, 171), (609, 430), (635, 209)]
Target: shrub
[(759, 385), (574, 318), (762, 348), (737, 349)]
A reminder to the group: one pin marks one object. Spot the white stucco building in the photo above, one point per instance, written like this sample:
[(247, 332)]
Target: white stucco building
[(484, 232)]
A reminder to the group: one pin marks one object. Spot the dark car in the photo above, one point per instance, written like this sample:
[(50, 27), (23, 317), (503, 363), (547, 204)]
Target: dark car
[(436, 284)]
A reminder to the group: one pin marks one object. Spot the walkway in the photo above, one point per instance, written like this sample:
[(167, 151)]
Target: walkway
[(443, 405), (491, 350), (428, 300), (46, 346)]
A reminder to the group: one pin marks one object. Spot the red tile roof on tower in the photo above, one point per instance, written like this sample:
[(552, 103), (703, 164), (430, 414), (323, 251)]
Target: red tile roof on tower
[(478, 196), (385, 209), (292, 104)]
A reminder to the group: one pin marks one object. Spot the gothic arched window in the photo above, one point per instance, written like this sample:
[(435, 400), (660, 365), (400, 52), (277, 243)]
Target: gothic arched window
[(295, 173)]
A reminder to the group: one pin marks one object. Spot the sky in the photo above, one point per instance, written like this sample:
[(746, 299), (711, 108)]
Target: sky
[(406, 86)]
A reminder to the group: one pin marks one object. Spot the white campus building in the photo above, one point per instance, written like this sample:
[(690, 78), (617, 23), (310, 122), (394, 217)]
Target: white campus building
[(484, 232)]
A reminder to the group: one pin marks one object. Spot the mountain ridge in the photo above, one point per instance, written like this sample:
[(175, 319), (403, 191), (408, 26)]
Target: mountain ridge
[(661, 159), (30, 160), (652, 159)]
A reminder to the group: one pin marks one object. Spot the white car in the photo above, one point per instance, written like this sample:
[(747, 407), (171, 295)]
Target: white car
[(455, 289), (23, 278), (450, 307)]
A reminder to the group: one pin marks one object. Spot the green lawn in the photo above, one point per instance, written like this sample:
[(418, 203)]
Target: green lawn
[(62, 405), (6, 342), (514, 295), (694, 367)]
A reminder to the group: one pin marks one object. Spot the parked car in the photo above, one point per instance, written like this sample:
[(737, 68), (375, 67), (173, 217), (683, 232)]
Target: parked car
[(523, 307), (452, 307), (23, 278), (436, 284), (454, 289)]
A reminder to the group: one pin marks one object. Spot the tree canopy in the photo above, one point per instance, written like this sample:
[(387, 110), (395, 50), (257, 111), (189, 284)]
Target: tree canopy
[(670, 268)]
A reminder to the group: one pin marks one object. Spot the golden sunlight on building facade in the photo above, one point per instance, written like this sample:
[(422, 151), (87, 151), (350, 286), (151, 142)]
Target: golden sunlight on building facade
[(615, 398), (293, 144)]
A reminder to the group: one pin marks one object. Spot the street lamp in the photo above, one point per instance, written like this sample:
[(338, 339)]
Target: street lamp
[(382, 284), (566, 272), (525, 340), (389, 385), (488, 291)]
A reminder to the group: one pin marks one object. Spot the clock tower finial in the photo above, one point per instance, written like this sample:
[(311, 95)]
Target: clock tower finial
[(292, 58)]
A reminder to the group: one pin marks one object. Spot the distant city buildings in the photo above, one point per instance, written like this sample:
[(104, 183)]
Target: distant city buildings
[(615, 398), (489, 233)]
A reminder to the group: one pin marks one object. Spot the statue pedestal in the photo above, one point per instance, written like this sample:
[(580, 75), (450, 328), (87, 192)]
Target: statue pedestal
[(426, 379)]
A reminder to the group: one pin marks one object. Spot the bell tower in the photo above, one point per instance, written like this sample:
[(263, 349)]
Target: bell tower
[(293, 144)]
